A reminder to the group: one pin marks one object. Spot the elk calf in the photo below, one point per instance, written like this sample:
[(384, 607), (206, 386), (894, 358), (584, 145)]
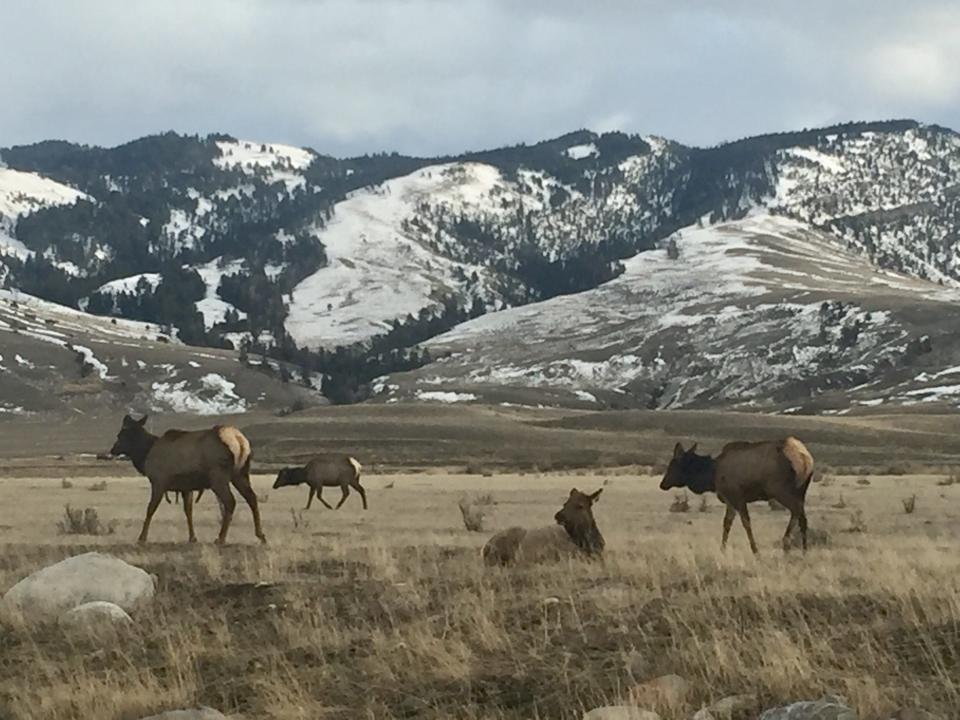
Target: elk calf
[(322, 471), (745, 472)]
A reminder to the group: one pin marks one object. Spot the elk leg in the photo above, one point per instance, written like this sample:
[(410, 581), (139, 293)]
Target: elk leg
[(786, 535), (343, 498), (727, 523), (221, 488), (188, 511), (155, 496), (310, 495), (327, 505), (745, 520), (363, 493), (166, 496), (246, 491), (803, 527)]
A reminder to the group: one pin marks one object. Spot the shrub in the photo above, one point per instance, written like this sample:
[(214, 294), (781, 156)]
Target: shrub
[(472, 515), (864, 480), (909, 504), (680, 504), (66, 484), (83, 521), (98, 487), (857, 523)]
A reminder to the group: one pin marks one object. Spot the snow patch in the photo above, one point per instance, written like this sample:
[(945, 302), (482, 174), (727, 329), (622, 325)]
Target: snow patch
[(215, 396), (579, 152), (444, 397)]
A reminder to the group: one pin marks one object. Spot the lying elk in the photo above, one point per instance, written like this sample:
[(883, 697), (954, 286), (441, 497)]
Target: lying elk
[(745, 472), (340, 471), (184, 461), (575, 535)]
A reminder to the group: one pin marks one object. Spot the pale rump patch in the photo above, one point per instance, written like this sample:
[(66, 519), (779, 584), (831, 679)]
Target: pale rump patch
[(801, 459), (237, 443), (356, 465)]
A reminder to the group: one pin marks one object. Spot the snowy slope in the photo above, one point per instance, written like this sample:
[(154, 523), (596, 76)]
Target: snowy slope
[(738, 319), (56, 359), (22, 193), (378, 269), (274, 162)]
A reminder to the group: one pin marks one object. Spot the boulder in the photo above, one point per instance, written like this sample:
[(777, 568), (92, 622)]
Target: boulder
[(668, 690), (52, 591), (97, 618), (826, 708), (620, 712), (197, 713)]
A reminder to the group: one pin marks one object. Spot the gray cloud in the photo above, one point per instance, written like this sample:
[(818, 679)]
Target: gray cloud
[(438, 76)]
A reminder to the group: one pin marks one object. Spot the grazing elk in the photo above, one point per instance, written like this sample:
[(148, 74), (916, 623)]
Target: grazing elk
[(342, 471), (745, 472), (183, 461), (575, 535)]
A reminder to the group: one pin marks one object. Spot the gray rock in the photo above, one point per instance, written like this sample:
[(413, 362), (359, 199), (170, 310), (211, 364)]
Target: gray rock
[(620, 712), (731, 705), (98, 618), (914, 714), (826, 708), (52, 591), (197, 713), (669, 690)]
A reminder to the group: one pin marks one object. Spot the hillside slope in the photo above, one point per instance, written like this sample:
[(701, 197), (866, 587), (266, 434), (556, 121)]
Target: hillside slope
[(57, 360), (760, 313)]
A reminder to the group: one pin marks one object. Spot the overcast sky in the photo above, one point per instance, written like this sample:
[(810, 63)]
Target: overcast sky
[(443, 76)]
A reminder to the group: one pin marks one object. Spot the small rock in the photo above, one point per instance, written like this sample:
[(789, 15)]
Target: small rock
[(669, 690), (197, 713), (914, 714), (97, 618), (620, 712), (52, 591), (826, 708), (731, 705)]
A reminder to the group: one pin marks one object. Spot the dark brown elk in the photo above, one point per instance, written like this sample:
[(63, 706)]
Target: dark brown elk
[(183, 461), (177, 494), (342, 471), (746, 472), (575, 534)]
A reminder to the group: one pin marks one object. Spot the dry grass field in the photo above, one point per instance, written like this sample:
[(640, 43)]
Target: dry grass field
[(390, 613)]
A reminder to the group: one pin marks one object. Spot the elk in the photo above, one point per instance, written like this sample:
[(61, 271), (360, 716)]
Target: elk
[(746, 472), (322, 471), (183, 461), (575, 534)]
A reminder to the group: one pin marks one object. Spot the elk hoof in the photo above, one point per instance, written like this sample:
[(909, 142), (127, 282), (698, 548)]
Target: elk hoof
[(193, 540), (263, 539)]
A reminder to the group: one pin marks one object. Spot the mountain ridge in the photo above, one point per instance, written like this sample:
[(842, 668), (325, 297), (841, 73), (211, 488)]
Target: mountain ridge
[(346, 265)]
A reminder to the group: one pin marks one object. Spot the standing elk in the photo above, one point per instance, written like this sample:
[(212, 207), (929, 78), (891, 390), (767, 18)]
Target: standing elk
[(342, 471), (746, 472), (575, 535), (183, 461)]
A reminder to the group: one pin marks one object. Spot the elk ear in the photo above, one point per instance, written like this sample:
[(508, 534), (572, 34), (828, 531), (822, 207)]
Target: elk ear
[(573, 491), (142, 421), (693, 449), (128, 421), (595, 496), (678, 450)]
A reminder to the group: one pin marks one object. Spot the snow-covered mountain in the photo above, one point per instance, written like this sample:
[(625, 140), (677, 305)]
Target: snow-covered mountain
[(518, 255)]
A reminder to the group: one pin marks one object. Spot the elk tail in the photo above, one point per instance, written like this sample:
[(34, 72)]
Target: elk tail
[(237, 444), (800, 459)]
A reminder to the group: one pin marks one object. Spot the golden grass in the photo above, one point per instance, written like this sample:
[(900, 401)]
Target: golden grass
[(389, 613)]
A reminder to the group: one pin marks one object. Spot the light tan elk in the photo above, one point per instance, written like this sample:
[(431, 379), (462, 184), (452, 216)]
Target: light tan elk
[(184, 461)]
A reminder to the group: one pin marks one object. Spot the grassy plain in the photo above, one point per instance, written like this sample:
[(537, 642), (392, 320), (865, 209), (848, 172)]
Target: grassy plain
[(390, 614)]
